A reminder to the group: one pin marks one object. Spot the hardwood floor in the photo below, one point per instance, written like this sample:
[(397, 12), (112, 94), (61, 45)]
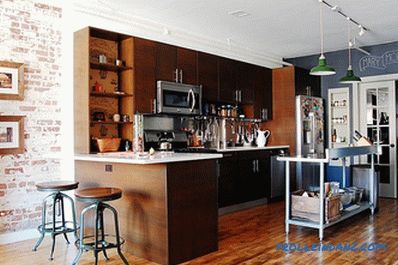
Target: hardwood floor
[(251, 237)]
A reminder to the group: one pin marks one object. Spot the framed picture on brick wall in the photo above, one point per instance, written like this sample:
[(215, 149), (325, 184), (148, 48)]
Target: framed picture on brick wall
[(11, 135), (11, 80)]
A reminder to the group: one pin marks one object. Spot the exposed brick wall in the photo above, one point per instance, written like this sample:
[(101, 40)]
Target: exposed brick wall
[(30, 32)]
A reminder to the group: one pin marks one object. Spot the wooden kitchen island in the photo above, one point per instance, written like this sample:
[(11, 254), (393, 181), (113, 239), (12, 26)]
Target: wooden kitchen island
[(168, 211)]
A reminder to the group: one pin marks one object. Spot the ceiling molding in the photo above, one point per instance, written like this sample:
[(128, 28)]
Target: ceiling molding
[(139, 27)]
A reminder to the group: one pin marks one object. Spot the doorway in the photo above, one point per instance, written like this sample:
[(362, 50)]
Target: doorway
[(377, 121)]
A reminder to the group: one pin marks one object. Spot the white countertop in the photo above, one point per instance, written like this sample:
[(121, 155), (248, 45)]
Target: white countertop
[(253, 148), (158, 158)]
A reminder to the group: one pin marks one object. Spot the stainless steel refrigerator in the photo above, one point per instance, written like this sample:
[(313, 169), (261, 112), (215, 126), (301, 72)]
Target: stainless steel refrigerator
[(309, 138)]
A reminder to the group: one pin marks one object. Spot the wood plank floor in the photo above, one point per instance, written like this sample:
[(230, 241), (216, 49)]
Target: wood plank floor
[(250, 237)]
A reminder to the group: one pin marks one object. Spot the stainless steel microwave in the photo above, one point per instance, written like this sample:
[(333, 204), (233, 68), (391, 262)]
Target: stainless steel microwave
[(177, 98)]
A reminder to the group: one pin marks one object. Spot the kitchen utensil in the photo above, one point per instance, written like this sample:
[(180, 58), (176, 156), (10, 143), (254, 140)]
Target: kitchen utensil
[(262, 137), (125, 118)]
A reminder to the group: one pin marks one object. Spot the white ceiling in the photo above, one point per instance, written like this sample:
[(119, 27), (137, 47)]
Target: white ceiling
[(280, 28)]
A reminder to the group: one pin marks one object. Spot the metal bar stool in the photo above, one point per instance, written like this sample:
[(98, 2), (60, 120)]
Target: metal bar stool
[(99, 242), (56, 227)]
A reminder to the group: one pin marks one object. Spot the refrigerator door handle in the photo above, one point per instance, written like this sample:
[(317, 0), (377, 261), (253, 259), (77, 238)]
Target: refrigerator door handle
[(312, 117)]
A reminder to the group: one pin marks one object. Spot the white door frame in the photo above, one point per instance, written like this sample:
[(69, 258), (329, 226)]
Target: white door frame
[(356, 108)]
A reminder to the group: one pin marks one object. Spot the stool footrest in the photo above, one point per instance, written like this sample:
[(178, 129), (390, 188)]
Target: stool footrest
[(59, 228), (108, 242)]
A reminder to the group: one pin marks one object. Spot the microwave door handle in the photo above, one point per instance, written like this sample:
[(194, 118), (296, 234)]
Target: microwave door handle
[(193, 100), (188, 97)]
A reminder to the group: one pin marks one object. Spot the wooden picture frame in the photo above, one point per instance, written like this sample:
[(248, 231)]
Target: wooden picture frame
[(11, 80), (12, 135)]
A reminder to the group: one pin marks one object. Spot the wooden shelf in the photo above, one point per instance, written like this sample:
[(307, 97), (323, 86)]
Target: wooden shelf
[(111, 122), (109, 67), (110, 95)]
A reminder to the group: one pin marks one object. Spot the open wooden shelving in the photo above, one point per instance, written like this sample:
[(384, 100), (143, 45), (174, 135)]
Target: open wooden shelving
[(109, 67), (89, 44)]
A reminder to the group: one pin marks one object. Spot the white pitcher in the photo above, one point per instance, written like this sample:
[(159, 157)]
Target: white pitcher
[(262, 137)]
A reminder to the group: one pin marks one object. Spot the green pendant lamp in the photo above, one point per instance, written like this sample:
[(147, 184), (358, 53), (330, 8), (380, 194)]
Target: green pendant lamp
[(349, 78), (322, 68)]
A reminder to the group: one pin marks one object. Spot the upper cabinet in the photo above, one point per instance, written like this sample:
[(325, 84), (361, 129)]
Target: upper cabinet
[(306, 83), (262, 84), (227, 78), (176, 64), (208, 76), (145, 75)]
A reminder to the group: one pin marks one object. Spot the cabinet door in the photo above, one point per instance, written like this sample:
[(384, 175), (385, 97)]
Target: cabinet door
[(208, 76), (227, 77), (253, 176), (166, 62), (262, 179), (245, 78), (263, 91), (247, 167), (303, 80), (187, 64), (227, 181), (144, 73)]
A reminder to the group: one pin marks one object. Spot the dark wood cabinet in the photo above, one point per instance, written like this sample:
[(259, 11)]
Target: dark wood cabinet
[(208, 76), (262, 92), (227, 180), (245, 82), (304, 80), (227, 79), (243, 177), (166, 62), (144, 71), (176, 64), (187, 63)]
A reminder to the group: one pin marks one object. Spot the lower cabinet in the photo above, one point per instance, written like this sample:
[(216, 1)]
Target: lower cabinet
[(243, 177)]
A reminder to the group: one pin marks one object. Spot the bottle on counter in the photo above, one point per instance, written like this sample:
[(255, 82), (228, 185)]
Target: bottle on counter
[(334, 136)]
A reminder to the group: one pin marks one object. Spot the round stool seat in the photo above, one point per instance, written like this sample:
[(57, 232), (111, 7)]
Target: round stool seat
[(99, 194), (60, 185)]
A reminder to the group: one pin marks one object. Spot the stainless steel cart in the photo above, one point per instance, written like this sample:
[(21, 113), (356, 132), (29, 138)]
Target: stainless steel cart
[(334, 153)]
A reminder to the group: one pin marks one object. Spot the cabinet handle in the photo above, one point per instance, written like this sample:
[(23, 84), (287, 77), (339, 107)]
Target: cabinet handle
[(240, 96), (236, 95), (176, 75), (181, 75), (258, 169), (254, 166), (218, 169)]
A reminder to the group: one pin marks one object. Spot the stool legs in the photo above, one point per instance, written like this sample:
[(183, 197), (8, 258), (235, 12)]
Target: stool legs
[(43, 223), (119, 251), (57, 201), (99, 239), (72, 202), (81, 238)]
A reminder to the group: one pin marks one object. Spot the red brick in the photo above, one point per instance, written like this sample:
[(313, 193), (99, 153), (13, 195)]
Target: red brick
[(12, 185), (13, 170), (27, 108), (3, 186), (2, 193)]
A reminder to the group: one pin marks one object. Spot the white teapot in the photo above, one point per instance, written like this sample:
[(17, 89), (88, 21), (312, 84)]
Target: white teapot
[(262, 137)]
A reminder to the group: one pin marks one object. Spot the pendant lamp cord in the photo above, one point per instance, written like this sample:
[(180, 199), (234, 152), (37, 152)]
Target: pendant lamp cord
[(321, 24), (349, 42)]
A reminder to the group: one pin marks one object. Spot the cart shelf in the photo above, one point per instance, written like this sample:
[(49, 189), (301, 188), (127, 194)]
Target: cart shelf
[(333, 153)]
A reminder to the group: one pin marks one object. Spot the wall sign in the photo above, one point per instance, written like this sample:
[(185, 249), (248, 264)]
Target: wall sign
[(378, 62)]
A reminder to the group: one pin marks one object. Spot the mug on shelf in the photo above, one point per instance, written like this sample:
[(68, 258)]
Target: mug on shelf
[(116, 117)]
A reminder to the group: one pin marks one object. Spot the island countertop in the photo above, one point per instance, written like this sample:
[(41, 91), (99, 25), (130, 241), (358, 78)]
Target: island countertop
[(158, 158)]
